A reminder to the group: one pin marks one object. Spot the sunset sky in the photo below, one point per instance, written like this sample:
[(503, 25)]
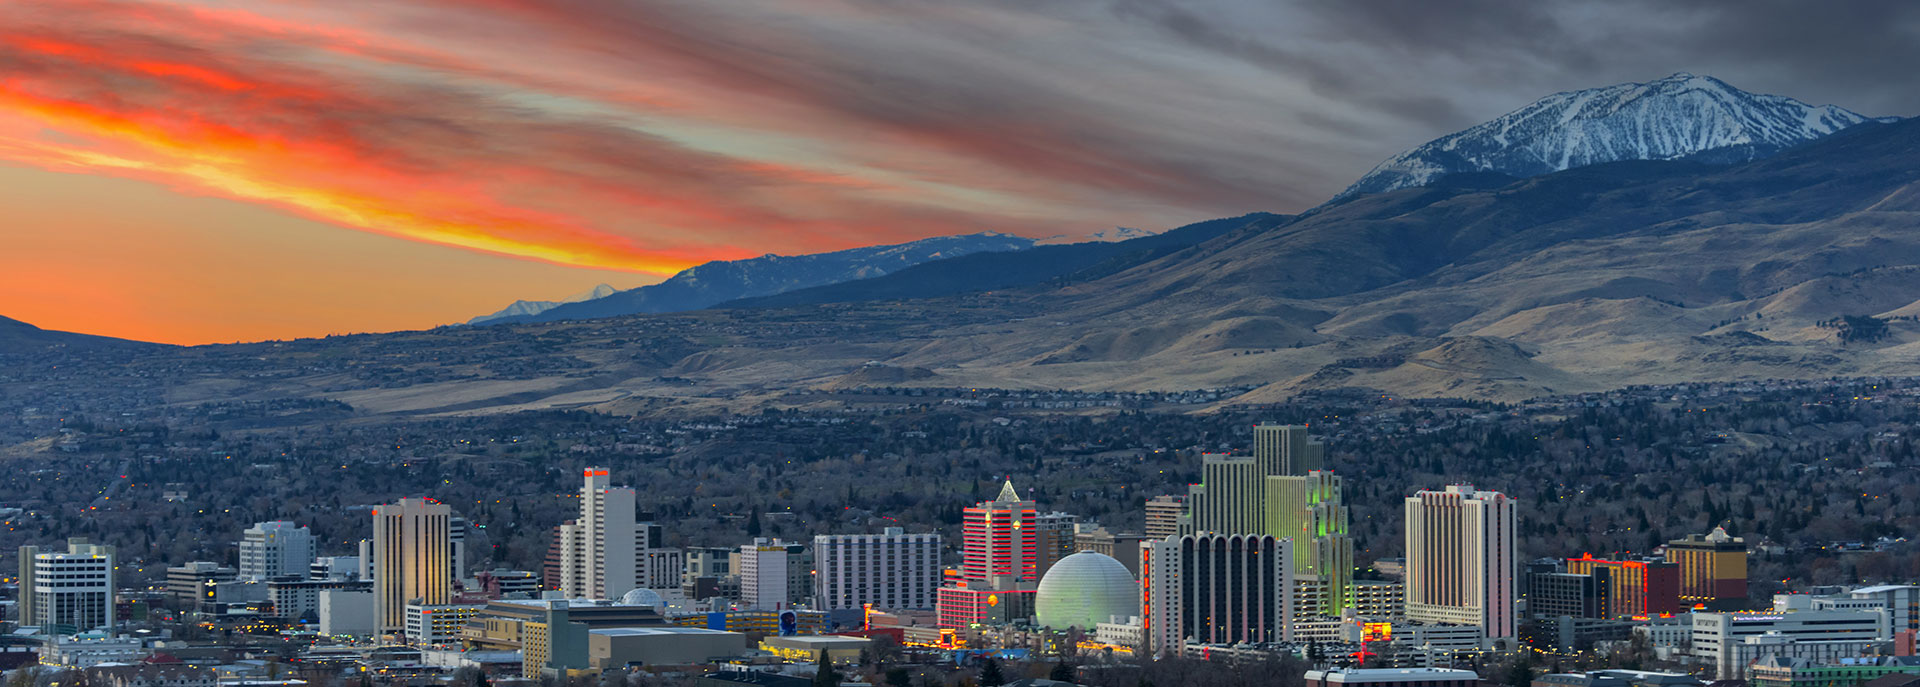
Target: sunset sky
[(195, 172)]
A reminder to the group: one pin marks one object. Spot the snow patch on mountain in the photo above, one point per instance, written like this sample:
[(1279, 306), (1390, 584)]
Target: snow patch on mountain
[(1681, 116), (529, 308)]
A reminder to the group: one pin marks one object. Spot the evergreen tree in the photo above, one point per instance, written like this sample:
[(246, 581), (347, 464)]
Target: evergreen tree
[(990, 675), (1061, 671), (753, 523), (824, 676), (1521, 673), (899, 677)]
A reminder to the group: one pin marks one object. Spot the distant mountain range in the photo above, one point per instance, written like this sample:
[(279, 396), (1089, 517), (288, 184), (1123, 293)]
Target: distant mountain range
[(1679, 117), (1013, 269), (719, 281), (532, 308), (1775, 260)]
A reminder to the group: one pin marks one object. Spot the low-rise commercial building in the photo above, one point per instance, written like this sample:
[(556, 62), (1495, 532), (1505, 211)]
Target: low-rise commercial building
[(1846, 672), (1392, 677), (348, 613), (1721, 639), (621, 647), (295, 598), (839, 649), (501, 625), (439, 624), (191, 585)]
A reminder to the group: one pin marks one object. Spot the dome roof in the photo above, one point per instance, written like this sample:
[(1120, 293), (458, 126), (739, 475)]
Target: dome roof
[(1085, 589), (643, 597)]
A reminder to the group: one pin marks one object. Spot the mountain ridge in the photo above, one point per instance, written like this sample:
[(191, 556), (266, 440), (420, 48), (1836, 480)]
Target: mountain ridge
[(1012, 269), (1677, 117), (20, 337), (723, 280)]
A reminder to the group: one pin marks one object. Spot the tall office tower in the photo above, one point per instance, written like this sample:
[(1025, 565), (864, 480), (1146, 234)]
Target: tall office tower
[(1230, 498), (367, 566), (1460, 559), (893, 570), (550, 577), (764, 577), (67, 593), (272, 549), (1309, 509), (457, 547), (410, 550), (799, 574), (1713, 569), (1216, 589), (1232, 495), (656, 566), (999, 564), (24, 604), (1165, 514), (1001, 539), (1121, 547), (1053, 539), (598, 552), (1282, 491), (1287, 450), (1633, 587)]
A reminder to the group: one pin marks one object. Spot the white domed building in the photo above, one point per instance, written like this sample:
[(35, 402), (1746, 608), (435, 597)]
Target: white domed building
[(1085, 589), (644, 597)]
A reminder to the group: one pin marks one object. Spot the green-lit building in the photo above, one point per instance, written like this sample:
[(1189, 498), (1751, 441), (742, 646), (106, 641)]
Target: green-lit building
[(1283, 490), (1847, 672)]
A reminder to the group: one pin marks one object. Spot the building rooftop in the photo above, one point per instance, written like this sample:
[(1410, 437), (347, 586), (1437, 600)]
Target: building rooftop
[(1389, 675), (820, 641), (1877, 589), (668, 630)]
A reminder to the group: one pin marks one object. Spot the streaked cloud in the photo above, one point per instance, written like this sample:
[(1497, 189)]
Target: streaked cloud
[(644, 136)]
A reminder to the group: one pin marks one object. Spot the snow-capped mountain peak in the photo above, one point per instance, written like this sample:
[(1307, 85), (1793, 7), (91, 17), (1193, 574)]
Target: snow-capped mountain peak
[(1681, 116)]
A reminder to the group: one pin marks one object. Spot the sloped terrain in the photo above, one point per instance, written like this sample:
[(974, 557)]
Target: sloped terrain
[(18, 337), (1479, 286)]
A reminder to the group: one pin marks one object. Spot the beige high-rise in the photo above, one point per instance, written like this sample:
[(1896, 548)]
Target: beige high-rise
[(1460, 559), (599, 551), (412, 549)]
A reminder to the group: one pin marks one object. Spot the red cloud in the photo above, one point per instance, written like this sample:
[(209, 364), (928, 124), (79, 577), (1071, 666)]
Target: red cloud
[(572, 137)]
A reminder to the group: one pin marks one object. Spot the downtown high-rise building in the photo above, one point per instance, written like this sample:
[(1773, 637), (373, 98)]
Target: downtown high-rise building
[(1460, 559), (1000, 539), (892, 570), (1283, 490), (275, 548), (606, 552), (765, 575), (597, 551), (67, 593), (656, 565), (1634, 587), (1166, 515), (1216, 589), (1002, 551), (1713, 569), (409, 553), (1310, 510)]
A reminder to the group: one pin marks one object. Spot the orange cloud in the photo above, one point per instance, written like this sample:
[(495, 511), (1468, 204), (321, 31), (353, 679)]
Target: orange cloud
[(578, 136)]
